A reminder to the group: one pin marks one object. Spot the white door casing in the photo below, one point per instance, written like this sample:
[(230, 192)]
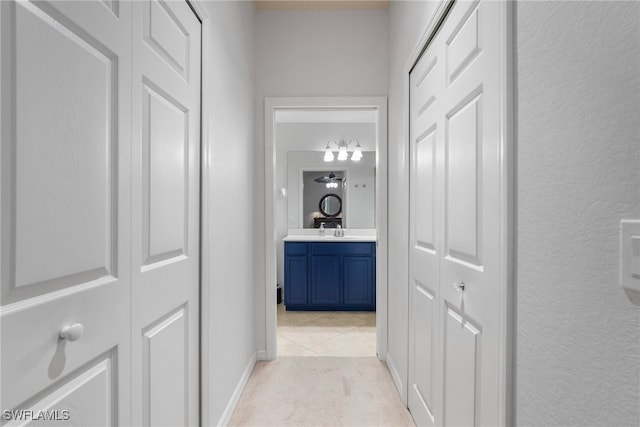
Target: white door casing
[(65, 81), (165, 213), (272, 104), (459, 224), (100, 210)]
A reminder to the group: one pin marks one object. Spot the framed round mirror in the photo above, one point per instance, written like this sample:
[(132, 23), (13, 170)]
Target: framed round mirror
[(330, 205)]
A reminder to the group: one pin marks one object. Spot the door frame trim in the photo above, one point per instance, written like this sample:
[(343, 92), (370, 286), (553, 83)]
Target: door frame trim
[(206, 153), (271, 104), (508, 198)]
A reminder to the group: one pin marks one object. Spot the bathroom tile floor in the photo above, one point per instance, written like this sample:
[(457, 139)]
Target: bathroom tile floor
[(326, 333)]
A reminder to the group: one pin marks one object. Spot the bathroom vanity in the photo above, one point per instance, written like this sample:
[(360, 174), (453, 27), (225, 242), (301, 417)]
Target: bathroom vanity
[(330, 273)]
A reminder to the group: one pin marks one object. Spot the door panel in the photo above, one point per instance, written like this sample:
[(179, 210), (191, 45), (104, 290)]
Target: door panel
[(61, 189), (165, 354), (167, 36), (463, 151), (164, 175), (165, 212), (65, 160), (424, 335), (456, 350), (87, 399), (463, 44), (461, 349)]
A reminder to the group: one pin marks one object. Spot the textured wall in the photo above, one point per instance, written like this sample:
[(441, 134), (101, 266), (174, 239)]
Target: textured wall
[(578, 160), (230, 338), (311, 53)]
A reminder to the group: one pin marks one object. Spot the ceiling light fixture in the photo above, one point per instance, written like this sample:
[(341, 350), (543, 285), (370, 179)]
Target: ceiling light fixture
[(343, 153), (331, 180)]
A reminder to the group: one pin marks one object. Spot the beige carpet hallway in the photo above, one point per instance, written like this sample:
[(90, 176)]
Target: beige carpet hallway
[(321, 391)]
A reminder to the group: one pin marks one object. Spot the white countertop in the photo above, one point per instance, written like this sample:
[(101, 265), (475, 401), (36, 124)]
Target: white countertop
[(329, 238)]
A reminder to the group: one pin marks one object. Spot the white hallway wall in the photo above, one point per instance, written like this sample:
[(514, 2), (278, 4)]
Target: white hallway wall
[(229, 329), (578, 154), (310, 53), (578, 174)]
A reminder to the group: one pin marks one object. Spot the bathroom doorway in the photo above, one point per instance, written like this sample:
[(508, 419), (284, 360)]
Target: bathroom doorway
[(299, 135)]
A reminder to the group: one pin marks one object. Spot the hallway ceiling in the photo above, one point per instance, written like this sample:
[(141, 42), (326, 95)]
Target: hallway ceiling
[(322, 4)]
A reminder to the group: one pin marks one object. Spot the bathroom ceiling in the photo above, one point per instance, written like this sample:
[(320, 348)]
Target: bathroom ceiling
[(322, 4)]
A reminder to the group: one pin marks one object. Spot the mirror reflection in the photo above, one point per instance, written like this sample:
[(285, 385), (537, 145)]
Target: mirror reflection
[(309, 179), (322, 198)]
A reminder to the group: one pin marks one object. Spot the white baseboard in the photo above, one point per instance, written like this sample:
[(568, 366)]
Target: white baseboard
[(396, 378), (235, 397), (261, 355)]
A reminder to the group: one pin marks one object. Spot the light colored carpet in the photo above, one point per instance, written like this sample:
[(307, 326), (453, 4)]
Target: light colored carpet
[(321, 391)]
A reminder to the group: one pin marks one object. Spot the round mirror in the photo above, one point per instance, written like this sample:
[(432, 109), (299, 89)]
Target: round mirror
[(330, 205)]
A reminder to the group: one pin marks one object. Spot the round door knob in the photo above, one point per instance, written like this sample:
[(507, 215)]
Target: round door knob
[(71, 333), (458, 286)]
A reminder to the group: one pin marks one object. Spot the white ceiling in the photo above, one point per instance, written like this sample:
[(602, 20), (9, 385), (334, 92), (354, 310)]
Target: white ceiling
[(325, 116), (322, 4)]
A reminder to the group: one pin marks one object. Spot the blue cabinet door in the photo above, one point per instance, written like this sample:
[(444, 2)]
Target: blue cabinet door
[(358, 281), (296, 284), (325, 280)]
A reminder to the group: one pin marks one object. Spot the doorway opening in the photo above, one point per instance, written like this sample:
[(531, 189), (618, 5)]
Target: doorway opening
[(299, 132)]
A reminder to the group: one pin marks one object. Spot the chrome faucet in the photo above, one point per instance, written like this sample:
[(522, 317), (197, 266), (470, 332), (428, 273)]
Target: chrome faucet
[(338, 232)]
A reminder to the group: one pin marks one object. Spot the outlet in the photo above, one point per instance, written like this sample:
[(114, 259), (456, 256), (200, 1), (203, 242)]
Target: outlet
[(630, 254)]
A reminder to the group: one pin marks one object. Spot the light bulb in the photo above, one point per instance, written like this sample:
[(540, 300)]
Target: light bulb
[(342, 153), (357, 152), (328, 154)]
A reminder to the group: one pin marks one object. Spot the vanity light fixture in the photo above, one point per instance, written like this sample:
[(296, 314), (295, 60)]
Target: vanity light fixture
[(343, 154)]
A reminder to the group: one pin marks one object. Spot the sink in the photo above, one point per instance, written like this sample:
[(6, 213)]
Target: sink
[(330, 238)]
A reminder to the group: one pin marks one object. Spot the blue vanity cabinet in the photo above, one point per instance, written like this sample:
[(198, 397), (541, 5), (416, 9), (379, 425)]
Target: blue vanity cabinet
[(325, 280), (330, 276), (296, 273), (359, 286)]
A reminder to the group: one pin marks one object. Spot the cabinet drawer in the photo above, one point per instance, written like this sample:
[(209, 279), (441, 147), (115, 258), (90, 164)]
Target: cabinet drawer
[(347, 248), (295, 248)]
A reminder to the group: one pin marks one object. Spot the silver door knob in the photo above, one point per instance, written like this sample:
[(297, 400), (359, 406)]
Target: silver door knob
[(458, 286), (71, 333)]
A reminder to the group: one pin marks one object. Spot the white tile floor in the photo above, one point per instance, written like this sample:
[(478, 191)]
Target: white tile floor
[(326, 333)]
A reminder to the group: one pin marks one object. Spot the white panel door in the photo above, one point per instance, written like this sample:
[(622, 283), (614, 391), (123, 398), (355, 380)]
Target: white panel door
[(458, 305), (65, 218), (425, 244), (165, 220)]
